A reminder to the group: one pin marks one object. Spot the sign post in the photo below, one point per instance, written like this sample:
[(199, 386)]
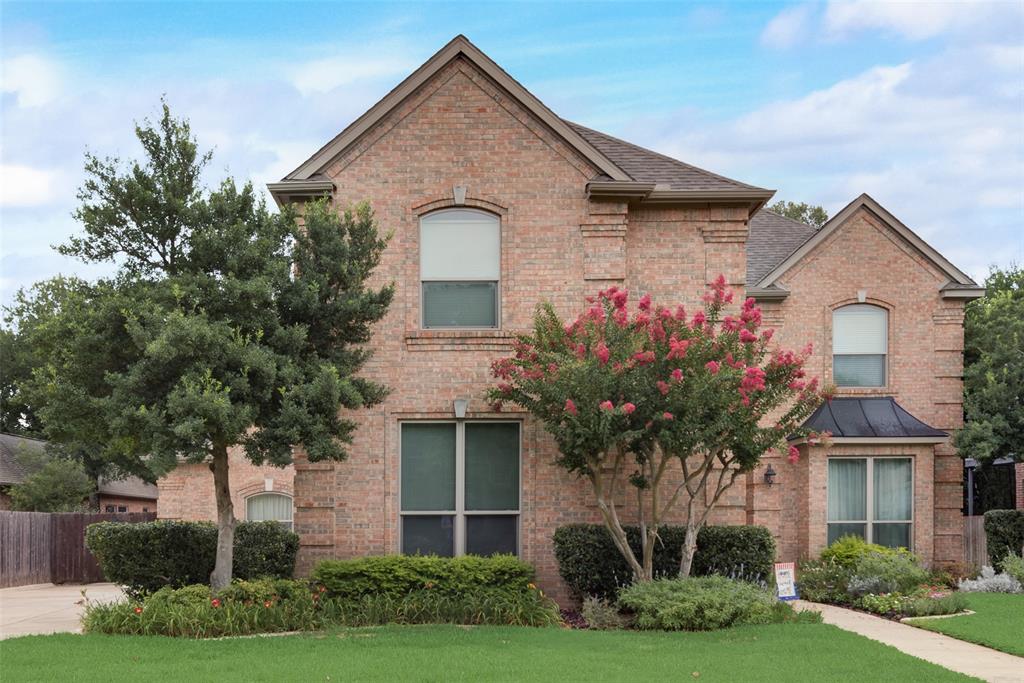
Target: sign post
[(785, 581)]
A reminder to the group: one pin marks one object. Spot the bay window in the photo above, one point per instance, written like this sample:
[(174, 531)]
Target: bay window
[(459, 488), (872, 498), (860, 335), (460, 264)]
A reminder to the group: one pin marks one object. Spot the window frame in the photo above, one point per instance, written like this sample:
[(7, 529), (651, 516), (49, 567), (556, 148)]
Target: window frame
[(869, 493), (460, 513), (291, 507), (463, 280), (885, 339)]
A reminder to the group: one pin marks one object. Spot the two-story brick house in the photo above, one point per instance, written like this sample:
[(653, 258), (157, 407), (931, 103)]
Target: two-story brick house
[(496, 203)]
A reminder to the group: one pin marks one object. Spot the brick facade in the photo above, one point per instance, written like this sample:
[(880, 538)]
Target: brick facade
[(130, 504), (186, 492), (460, 129)]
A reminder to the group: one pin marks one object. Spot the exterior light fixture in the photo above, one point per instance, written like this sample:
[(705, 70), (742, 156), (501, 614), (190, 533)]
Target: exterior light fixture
[(459, 405), (769, 475)]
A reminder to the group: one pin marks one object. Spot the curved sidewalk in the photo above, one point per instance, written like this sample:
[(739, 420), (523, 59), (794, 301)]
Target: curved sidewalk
[(967, 658)]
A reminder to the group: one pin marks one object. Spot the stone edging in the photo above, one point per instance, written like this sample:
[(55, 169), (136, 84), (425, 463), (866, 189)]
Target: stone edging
[(907, 620)]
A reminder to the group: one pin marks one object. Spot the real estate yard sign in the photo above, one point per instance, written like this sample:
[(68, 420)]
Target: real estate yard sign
[(785, 581)]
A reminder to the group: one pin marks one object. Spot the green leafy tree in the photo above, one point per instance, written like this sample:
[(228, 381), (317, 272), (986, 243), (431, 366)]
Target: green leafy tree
[(225, 325), (658, 409), (52, 484), (994, 370), (815, 216), (16, 364)]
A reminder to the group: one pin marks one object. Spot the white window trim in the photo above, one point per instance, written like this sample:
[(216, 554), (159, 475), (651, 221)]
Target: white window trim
[(291, 507), (885, 355), (497, 283), (460, 512), (870, 493)]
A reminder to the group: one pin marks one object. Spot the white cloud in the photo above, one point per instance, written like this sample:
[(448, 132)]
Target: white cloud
[(26, 186), (33, 79), (787, 28), (917, 20), (329, 73)]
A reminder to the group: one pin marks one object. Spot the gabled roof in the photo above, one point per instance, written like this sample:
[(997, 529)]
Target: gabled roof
[(959, 284), (129, 487), (624, 170), (459, 46), (871, 418)]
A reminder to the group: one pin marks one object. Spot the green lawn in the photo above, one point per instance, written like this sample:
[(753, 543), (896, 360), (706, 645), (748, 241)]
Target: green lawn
[(782, 652), (998, 622)]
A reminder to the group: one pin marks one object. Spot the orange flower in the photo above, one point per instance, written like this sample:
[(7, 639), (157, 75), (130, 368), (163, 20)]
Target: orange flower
[(138, 610), (215, 602), (267, 603)]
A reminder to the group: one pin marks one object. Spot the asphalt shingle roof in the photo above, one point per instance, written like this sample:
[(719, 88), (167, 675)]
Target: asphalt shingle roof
[(772, 239), (644, 165), (11, 446), (868, 417)]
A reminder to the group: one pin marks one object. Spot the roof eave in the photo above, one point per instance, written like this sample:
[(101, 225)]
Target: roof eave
[(648, 194), (962, 293), (877, 440), (769, 294), (287, 191)]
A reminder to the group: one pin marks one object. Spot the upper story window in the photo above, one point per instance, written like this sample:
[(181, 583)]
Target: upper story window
[(460, 265), (860, 334)]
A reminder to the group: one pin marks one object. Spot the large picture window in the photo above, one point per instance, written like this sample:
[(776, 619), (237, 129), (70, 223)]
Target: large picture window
[(460, 265), (460, 488), (859, 345), (872, 498)]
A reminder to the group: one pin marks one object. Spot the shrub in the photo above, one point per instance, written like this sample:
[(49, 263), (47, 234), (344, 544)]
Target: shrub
[(886, 573), (847, 550), (1004, 532), (990, 582), (919, 603), (397, 575), (824, 581), (148, 556), (601, 615), (590, 564), (1014, 566), (697, 603)]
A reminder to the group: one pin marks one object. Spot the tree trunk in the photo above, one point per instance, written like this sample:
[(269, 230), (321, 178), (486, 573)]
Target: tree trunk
[(689, 546), (221, 576)]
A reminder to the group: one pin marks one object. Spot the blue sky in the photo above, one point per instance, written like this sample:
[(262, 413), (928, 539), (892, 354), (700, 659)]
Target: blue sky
[(921, 105)]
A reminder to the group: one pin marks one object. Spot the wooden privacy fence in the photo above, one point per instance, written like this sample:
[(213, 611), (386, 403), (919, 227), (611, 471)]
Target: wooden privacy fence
[(975, 545), (45, 547)]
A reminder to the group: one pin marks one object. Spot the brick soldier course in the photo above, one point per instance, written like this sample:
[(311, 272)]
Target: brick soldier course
[(579, 211)]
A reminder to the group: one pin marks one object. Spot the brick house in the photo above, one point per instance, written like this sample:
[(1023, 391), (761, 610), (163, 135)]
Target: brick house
[(497, 203)]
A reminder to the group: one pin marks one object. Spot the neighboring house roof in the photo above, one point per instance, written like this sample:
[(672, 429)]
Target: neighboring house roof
[(624, 169), (871, 418), (958, 286), (772, 238), (129, 487), (11, 445)]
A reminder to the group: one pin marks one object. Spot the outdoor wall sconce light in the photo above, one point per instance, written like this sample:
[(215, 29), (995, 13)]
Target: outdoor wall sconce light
[(459, 405), (769, 475)]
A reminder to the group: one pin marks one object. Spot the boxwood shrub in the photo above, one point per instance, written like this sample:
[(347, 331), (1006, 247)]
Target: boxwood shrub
[(148, 556), (590, 564), (398, 575), (1004, 532), (697, 604)]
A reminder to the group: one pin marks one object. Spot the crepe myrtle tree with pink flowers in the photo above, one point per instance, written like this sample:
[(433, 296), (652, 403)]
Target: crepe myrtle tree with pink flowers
[(658, 408)]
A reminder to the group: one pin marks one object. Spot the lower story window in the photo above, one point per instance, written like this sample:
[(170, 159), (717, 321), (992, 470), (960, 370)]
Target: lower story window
[(872, 498), (266, 507), (460, 488)]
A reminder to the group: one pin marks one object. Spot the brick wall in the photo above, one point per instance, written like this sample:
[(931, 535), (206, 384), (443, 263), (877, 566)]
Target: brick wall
[(132, 504), (186, 492), (460, 130)]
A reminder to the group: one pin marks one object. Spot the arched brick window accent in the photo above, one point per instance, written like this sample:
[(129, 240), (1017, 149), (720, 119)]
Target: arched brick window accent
[(264, 507), (860, 345)]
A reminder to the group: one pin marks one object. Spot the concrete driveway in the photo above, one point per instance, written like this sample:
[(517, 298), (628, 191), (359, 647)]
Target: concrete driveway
[(48, 608)]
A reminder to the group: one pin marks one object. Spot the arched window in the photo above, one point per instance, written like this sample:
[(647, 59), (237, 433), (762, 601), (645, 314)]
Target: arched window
[(265, 507), (460, 268), (860, 334)]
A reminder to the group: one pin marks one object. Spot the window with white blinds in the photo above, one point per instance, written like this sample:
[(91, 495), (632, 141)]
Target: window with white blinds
[(266, 507), (460, 265), (859, 345)]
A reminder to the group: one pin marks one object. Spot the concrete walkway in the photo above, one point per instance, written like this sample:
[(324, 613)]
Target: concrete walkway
[(47, 608), (967, 658)]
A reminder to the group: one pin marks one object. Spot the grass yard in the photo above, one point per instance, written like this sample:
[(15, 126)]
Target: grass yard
[(782, 652), (998, 622)]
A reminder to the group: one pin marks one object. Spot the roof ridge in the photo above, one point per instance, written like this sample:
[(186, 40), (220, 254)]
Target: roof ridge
[(663, 156)]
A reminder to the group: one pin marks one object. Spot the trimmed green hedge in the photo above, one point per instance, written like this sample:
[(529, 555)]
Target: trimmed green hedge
[(397, 575), (1004, 532), (590, 564), (148, 556)]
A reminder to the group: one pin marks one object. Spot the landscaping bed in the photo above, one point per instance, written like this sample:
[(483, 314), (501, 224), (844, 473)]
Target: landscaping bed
[(775, 652)]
